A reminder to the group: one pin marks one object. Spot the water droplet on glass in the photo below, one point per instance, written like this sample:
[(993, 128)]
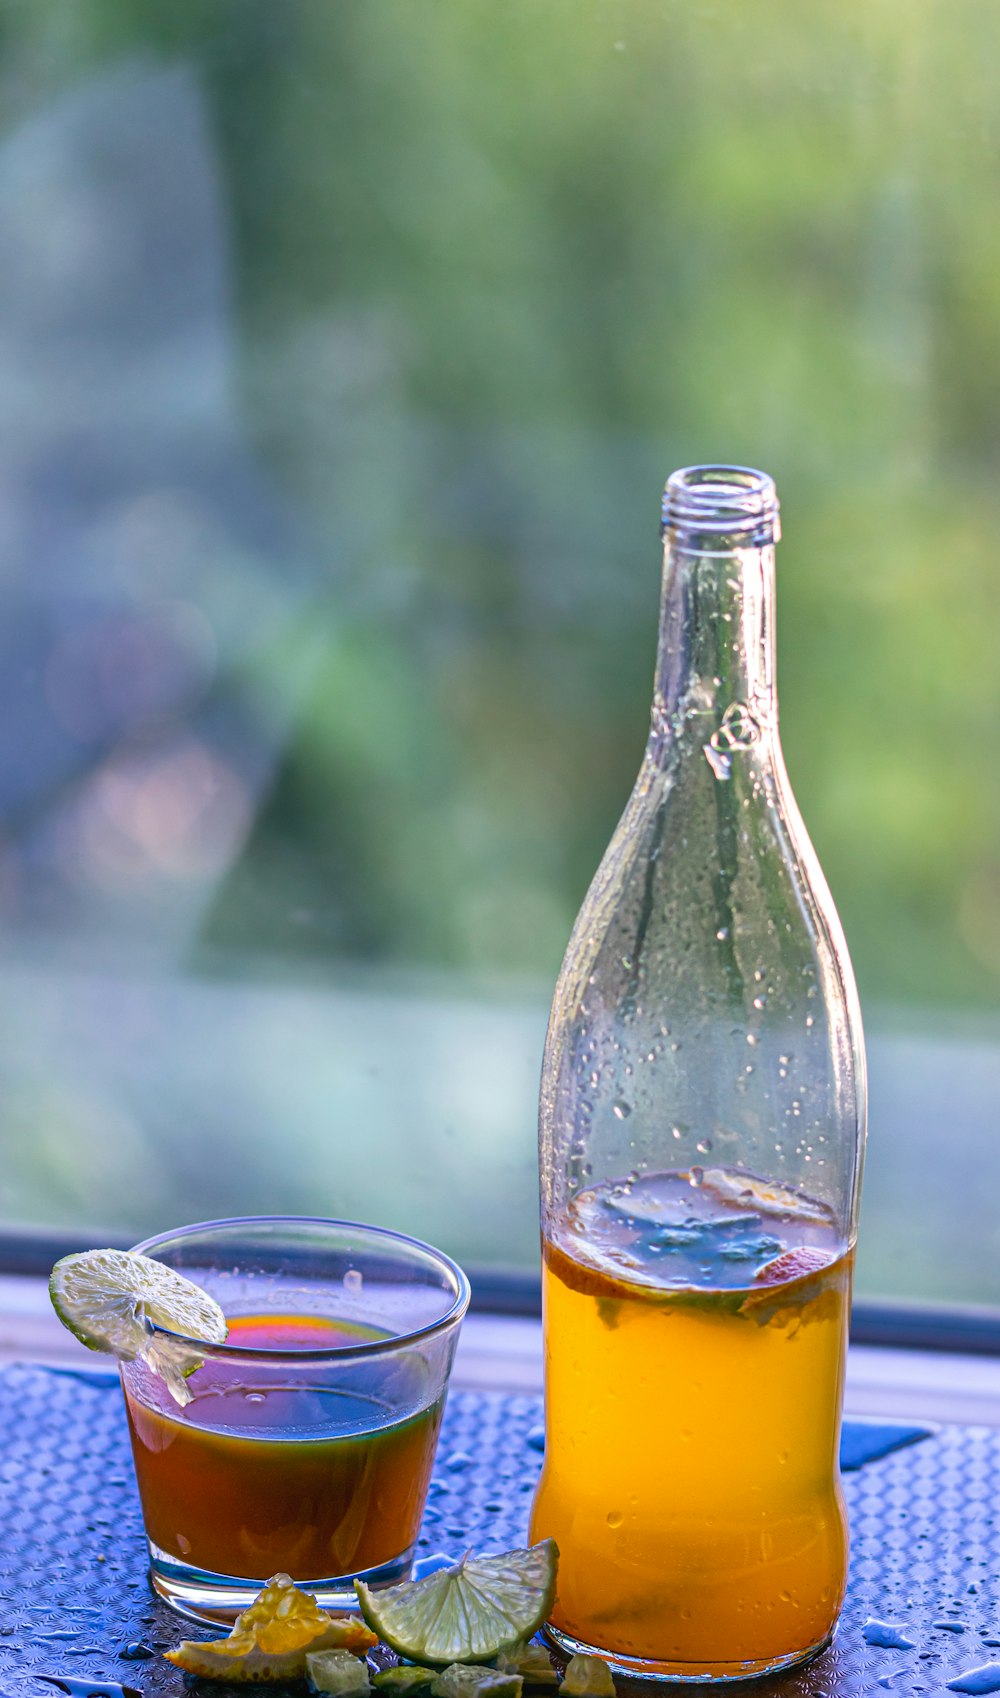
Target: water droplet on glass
[(751, 1038), (696, 1176), (615, 1518), (722, 933), (622, 1110), (675, 1132), (353, 1280), (704, 1146), (254, 1396), (759, 1001)]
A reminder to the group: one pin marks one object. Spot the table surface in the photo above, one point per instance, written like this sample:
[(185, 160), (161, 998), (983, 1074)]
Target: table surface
[(74, 1602)]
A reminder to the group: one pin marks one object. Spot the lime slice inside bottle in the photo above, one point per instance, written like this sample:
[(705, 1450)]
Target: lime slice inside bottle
[(113, 1300), (465, 1614)]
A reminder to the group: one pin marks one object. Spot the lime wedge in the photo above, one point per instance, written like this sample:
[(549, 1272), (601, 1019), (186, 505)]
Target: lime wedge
[(531, 1662), (468, 1613), (405, 1679), (464, 1680), (588, 1677), (113, 1299), (337, 1673)]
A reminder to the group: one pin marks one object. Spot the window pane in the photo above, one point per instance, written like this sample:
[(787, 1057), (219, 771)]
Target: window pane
[(344, 352)]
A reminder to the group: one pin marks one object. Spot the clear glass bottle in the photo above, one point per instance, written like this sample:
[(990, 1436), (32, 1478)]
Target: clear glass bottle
[(702, 1127)]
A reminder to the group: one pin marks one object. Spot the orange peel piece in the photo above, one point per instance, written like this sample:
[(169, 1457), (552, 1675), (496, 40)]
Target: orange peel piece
[(792, 1264), (272, 1638)]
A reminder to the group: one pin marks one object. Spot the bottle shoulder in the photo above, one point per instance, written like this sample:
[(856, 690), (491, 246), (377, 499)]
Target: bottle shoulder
[(709, 887)]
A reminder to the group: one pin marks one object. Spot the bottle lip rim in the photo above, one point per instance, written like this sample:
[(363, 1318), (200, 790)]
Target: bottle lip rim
[(738, 501)]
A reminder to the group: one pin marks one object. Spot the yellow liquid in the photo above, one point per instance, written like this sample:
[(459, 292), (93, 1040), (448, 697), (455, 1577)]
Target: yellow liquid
[(691, 1473)]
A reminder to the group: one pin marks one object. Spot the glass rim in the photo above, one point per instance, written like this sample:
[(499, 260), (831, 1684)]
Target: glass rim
[(341, 1352)]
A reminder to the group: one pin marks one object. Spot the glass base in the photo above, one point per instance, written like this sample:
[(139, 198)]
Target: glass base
[(641, 1668), (218, 1598)]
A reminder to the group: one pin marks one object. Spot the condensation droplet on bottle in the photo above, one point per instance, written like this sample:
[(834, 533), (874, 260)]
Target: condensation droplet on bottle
[(704, 1146), (621, 1110), (675, 1132), (759, 1001), (722, 933), (696, 1176), (757, 975), (810, 1021), (751, 1038), (353, 1281), (784, 1060), (675, 1046)]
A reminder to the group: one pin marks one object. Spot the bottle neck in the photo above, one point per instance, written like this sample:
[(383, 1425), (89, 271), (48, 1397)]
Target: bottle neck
[(715, 662)]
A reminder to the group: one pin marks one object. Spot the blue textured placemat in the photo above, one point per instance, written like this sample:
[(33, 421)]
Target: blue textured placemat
[(925, 1523)]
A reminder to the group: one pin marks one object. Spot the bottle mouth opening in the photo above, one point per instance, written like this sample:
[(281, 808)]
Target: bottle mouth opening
[(736, 503)]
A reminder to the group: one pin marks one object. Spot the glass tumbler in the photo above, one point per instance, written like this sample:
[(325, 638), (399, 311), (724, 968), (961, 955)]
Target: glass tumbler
[(308, 1443)]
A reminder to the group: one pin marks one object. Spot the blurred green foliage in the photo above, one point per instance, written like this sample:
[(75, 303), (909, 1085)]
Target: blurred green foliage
[(489, 272), (496, 270)]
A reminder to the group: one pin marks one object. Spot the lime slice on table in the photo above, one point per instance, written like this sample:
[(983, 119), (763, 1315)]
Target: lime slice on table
[(113, 1299), (468, 1613)]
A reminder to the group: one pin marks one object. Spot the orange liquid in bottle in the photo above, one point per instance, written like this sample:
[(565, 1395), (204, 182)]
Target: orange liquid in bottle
[(252, 1479), (693, 1395)]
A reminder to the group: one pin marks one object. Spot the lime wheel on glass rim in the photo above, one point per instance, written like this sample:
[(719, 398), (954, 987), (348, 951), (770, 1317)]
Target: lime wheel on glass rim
[(115, 1300)]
